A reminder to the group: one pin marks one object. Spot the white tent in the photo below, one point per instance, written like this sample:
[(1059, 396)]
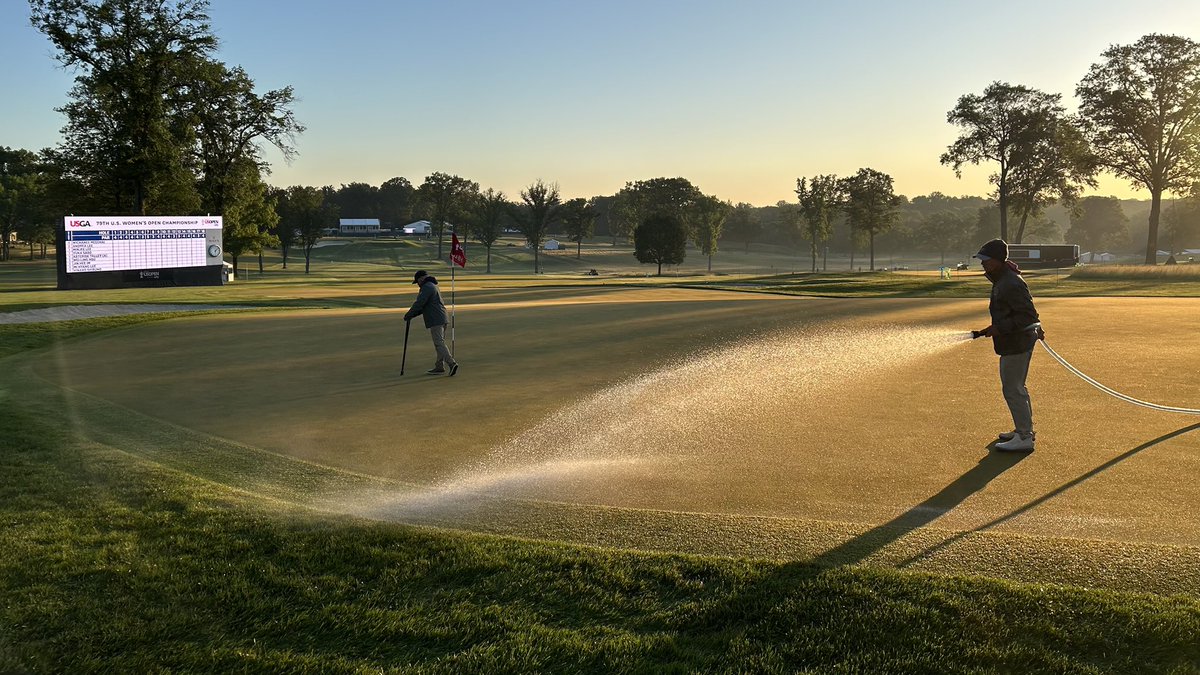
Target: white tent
[(552, 245), (358, 226)]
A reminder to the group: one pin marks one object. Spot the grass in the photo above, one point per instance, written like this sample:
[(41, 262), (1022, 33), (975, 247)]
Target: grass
[(1083, 282), (113, 564), (113, 561), (362, 271), (1158, 273)]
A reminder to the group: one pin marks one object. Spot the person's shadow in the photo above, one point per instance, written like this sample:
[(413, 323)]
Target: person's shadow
[(862, 546), (1049, 495)]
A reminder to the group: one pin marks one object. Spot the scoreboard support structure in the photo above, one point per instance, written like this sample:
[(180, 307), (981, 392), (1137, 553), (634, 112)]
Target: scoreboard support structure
[(139, 251)]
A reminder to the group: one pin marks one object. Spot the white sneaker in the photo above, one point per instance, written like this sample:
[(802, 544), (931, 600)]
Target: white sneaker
[(1018, 443), (1007, 435)]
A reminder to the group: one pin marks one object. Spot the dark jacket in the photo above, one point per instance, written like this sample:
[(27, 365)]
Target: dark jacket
[(429, 304), (1012, 313)]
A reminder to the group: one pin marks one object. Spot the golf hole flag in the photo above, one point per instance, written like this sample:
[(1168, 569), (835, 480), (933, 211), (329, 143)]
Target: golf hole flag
[(458, 254)]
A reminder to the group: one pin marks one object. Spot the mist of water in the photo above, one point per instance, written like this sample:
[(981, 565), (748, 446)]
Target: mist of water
[(682, 411)]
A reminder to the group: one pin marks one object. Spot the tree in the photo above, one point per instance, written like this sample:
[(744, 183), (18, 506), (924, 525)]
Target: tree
[(578, 219), (230, 120), (661, 238), (1183, 221), (786, 221), (22, 191), (987, 222), (397, 197), (306, 213), (357, 200), (285, 231), (445, 197), (542, 207), (1000, 126), (622, 215), (819, 198), (125, 129), (743, 224), (1054, 163), (249, 216), (945, 231), (674, 196), (1141, 111), (870, 204), (36, 233), (708, 216), (1099, 224), (489, 215)]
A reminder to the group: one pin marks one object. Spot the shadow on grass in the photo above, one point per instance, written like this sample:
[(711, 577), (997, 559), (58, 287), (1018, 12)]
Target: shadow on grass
[(861, 547), (1051, 494)]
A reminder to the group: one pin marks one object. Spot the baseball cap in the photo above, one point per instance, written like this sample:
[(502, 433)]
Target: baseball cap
[(418, 275), (996, 248)]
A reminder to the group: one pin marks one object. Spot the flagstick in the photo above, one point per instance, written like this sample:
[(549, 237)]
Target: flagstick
[(452, 234)]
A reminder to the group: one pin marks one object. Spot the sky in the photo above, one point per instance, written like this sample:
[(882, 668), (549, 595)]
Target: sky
[(741, 98)]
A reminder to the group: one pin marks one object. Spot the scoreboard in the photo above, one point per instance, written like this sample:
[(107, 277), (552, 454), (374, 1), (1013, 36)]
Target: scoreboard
[(118, 251)]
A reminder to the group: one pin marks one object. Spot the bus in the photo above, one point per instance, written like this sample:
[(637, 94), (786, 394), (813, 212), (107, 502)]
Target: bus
[(1032, 256)]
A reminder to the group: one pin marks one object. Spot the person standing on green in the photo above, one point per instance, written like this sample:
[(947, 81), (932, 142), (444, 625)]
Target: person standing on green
[(1015, 330), (430, 306)]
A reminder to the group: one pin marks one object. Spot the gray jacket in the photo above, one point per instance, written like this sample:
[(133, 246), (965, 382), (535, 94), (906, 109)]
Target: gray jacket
[(429, 304), (1012, 312)]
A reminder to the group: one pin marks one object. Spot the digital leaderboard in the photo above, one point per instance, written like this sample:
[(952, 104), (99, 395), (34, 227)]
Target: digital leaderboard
[(122, 251)]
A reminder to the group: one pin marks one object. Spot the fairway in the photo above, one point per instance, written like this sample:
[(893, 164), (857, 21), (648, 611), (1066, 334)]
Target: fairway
[(841, 430)]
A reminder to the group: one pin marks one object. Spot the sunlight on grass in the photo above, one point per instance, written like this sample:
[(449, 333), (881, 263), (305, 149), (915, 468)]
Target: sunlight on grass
[(1161, 273)]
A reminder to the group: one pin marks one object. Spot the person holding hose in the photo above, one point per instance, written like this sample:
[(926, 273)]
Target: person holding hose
[(1014, 330), (429, 305)]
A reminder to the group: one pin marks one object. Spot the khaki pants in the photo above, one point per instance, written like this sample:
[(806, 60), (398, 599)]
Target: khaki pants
[(444, 358), (1014, 368)]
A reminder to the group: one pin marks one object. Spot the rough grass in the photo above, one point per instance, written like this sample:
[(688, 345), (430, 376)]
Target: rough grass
[(112, 564), (1160, 273)]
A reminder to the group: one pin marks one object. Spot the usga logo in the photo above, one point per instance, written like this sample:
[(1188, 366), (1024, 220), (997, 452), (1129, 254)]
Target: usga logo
[(79, 223), (209, 221)]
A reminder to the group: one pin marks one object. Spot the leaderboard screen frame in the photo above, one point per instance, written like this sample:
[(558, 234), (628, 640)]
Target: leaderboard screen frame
[(124, 251)]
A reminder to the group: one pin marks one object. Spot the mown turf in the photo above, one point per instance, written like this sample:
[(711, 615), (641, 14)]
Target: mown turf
[(110, 564), (1084, 282)]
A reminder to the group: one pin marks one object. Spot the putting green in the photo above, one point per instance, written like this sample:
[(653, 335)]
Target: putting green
[(730, 423)]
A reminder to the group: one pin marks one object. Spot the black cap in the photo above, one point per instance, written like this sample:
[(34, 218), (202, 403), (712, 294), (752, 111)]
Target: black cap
[(418, 275), (995, 248)]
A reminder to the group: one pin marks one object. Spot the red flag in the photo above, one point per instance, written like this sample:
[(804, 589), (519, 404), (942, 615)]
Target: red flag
[(458, 254)]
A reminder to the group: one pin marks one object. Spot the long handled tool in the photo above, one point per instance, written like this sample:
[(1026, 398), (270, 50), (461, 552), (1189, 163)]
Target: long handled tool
[(404, 354)]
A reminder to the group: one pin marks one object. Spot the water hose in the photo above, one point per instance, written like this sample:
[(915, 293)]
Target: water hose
[(1108, 390), (1112, 392)]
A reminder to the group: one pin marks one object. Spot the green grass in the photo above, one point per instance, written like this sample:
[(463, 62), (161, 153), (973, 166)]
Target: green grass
[(111, 561), (1157, 273), (22, 337), (113, 564), (1083, 282), (360, 271)]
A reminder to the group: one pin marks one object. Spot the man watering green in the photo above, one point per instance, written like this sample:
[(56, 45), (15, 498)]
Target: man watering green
[(1015, 331)]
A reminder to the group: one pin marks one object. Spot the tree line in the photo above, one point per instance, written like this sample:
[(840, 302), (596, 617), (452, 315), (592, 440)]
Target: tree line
[(156, 124)]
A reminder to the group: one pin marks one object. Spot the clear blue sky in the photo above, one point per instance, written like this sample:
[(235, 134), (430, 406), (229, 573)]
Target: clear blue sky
[(739, 97)]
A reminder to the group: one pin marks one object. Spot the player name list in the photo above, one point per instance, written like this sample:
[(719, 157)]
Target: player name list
[(110, 250)]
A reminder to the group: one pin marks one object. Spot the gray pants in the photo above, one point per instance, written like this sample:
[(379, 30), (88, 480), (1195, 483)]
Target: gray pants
[(439, 344), (1013, 370)]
